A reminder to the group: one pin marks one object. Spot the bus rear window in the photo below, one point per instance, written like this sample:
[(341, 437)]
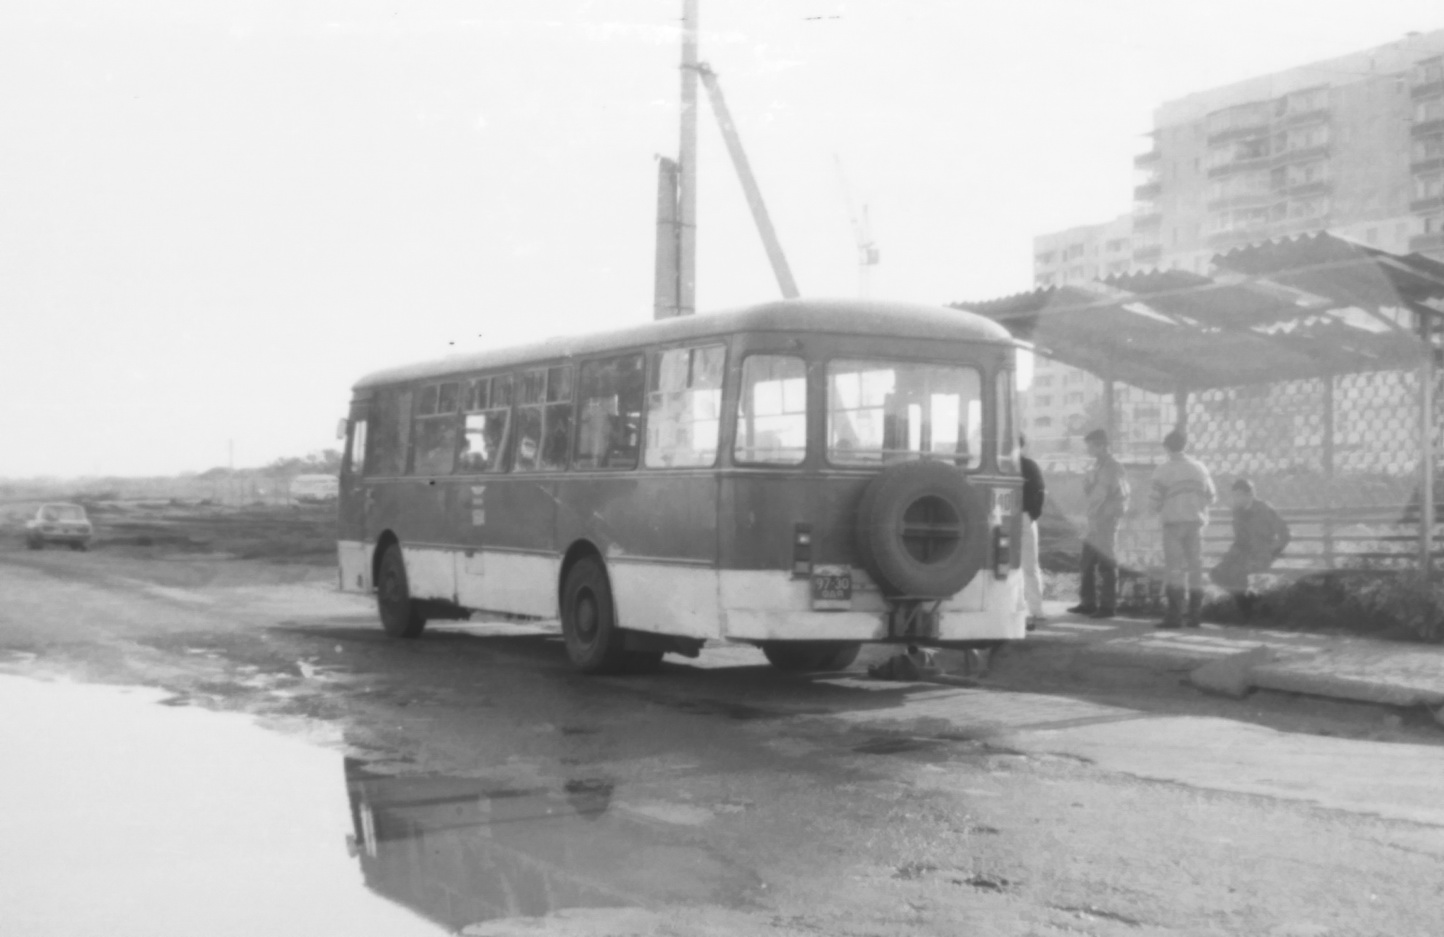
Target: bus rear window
[(684, 407), (887, 411), (772, 410)]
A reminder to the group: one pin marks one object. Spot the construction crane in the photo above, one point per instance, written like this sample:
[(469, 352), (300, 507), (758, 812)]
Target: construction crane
[(867, 252), (749, 183)]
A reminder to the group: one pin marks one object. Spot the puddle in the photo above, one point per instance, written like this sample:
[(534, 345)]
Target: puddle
[(126, 817), (462, 851)]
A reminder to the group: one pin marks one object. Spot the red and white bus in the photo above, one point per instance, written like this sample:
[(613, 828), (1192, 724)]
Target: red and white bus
[(801, 475)]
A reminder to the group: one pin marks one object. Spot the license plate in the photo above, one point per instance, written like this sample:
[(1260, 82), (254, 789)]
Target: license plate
[(831, 587)]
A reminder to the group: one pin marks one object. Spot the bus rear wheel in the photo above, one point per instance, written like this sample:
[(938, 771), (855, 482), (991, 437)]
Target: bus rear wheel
[(589, 624), (803, 656), (401, 615)]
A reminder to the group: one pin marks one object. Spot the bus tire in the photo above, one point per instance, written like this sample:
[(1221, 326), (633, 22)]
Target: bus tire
[(401, 615), (922, 529), (589, 622), (803, 656)]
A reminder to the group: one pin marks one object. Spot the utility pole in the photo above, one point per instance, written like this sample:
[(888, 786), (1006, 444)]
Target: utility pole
[(687, 200)]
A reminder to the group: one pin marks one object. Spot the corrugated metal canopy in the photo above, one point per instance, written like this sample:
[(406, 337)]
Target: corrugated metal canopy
[(1275, 311)]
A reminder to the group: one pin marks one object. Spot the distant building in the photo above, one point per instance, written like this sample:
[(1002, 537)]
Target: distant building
[(1352, 145), (1090, 252)]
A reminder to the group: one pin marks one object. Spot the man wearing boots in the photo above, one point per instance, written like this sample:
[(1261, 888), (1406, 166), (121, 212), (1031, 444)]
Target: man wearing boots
[(1181, 494), (1259, 536), (1106, 487)]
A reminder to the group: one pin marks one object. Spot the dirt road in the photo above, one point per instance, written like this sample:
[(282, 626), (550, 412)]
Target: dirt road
[(485, 788)]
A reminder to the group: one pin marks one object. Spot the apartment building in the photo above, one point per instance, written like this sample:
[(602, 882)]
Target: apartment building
[(1352, 145), (1088, 252)]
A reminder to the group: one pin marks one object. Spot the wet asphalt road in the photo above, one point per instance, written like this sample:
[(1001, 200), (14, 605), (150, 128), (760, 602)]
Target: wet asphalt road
[(470, 782)]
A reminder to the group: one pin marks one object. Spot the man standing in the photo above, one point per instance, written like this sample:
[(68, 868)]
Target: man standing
[(1106, 488), (1259, 536), (1033, 493), (1182, 492)]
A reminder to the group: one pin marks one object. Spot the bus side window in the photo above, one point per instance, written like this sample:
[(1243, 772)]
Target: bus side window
[(544, 419), (772, 410), (684, 406), (391, 436), (1007, 423), (356, 448), (436, 427), (609, 394), (488, 418)]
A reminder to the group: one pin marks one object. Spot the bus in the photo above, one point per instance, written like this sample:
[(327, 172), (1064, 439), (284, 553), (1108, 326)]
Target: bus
[(802, 475)]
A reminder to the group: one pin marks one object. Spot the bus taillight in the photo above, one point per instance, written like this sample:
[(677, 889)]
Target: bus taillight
[(1005, 503), (802, 550)]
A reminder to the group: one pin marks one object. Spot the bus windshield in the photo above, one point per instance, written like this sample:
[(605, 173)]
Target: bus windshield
[(887, 411)]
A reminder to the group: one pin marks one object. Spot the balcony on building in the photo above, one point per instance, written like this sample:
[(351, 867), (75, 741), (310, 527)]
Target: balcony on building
[(1313, 187), (1432, 203), (1147, 217), (1147, 253), (1428, 79), (1147, 192), (1421, 243), (1427, 165), (1427, 127), (1147, 160), (1238, 122)]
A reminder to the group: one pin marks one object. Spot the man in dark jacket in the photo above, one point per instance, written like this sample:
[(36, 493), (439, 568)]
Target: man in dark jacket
[(1033, 507), (1259, 536)]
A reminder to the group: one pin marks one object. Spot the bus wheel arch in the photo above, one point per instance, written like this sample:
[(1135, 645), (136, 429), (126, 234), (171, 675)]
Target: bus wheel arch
[(387, 539), (402, 616), (594, 640)]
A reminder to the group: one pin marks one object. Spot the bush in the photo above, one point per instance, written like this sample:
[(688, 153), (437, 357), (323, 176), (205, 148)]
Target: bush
[(1402, 604)]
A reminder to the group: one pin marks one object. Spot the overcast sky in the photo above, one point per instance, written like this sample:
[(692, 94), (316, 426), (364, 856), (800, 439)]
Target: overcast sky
[(214, 217)]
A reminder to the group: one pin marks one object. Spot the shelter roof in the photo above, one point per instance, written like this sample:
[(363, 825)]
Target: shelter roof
[(1279, 310)]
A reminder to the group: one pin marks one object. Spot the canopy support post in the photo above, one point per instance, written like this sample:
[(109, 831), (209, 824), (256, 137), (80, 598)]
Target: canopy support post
[(1426, 446), (1110, 420), (1328, 429), (1180, 406)]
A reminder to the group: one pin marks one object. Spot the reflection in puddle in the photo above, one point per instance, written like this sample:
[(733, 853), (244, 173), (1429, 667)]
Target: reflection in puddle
[(464, 850), (124, 817)]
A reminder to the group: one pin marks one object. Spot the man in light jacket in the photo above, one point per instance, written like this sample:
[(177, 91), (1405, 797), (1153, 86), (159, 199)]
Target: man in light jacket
[(1181, 493), (1106, 487)]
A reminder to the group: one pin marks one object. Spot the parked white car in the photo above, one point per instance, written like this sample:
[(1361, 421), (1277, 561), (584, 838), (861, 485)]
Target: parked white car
[(312, 488), (59, 523)]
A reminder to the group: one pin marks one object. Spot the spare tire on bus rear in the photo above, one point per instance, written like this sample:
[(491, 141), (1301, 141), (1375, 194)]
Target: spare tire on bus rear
[(922, 529)]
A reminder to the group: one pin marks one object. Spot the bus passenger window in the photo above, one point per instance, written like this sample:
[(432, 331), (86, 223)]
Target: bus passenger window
[(887, 411), (684, 406), (436, 430), (391, 435), (772, 411), (488, 417), (610, 395), (544, 420), (1007, 421)]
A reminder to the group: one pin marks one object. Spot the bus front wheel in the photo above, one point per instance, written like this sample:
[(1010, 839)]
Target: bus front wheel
[(401, 615), (589, 625), (802, 656)]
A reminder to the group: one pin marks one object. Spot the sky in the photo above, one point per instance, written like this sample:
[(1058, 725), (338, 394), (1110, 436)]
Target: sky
[(215, 217)]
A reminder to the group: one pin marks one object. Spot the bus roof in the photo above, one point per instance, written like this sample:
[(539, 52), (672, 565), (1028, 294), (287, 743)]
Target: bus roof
[(833, 316)]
